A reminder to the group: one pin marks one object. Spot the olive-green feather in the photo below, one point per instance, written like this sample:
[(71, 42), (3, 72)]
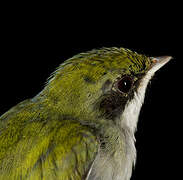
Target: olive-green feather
[(54, 134), (33, 147)]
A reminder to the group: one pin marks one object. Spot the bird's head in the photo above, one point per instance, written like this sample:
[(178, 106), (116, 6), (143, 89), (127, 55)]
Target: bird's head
[(108, 83)]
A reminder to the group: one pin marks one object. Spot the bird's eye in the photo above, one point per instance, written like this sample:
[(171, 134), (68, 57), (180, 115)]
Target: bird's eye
[(124, 85)]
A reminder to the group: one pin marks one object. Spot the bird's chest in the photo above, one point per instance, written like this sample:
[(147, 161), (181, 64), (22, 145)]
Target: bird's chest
[(115, 161)]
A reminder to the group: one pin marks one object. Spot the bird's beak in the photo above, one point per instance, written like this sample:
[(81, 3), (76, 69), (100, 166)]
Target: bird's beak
[(158, 62)]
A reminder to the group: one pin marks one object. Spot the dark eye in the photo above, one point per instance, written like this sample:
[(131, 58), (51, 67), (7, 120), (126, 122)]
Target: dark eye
[(124, 85)]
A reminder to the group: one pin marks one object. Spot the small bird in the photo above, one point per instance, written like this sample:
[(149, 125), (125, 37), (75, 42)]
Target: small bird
[(81, 125)]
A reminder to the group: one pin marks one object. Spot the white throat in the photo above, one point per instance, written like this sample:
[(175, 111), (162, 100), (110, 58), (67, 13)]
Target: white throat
[(131, 112), (130, 115)]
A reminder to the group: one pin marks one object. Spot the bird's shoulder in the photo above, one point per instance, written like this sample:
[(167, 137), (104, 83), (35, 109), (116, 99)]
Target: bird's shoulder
[(50, 149)]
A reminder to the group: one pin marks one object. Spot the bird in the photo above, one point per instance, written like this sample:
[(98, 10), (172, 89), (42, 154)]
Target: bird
[(81, 125)]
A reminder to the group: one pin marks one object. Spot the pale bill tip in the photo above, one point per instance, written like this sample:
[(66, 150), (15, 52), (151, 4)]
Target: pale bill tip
[(161, 59), (158, 62)]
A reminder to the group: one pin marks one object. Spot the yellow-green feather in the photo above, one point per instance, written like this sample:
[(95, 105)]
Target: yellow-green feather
[(51, 135), (35, 147)]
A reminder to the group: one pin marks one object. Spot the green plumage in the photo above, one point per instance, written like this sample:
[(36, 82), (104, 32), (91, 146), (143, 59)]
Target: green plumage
[(37, 145), (57, 134)]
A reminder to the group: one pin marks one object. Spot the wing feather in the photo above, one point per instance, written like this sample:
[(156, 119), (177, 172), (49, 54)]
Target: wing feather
[(60, 150)]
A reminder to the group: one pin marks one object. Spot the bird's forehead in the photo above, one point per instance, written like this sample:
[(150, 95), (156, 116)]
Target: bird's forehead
[(110, 59)]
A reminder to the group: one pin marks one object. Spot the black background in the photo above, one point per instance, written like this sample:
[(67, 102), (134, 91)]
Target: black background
[(34, 43)]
